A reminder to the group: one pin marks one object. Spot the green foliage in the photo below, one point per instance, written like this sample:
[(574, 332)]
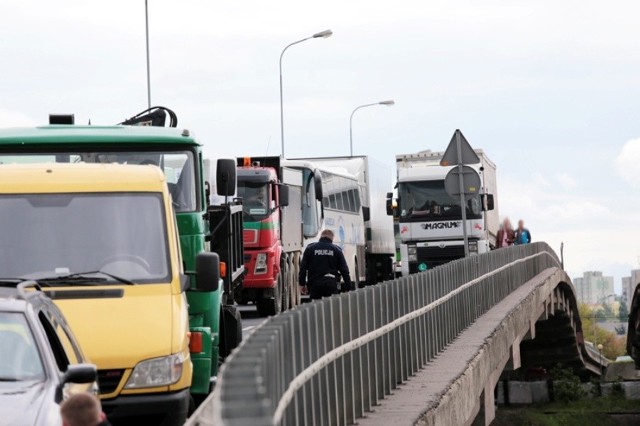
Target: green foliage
[(623, 312), (616, 389), (613, 345), (607, 310), (566, 385), (589, 411)]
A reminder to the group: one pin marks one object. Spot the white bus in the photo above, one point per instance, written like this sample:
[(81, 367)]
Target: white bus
[(332, 200)]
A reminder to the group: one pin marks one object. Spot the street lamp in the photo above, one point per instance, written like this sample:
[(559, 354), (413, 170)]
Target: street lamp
[(321, 34), (389, 102), (146, 21)]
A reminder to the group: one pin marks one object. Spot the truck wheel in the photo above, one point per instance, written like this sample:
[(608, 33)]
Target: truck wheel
[(295, 288), (271, 306), (231, 329), (284, 273)]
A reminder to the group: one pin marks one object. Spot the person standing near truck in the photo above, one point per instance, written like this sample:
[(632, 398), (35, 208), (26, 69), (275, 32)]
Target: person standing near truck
[(322, 266), (523, 236)]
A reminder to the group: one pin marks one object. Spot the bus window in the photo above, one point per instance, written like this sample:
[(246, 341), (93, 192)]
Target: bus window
[(339, 204), (352, 201)]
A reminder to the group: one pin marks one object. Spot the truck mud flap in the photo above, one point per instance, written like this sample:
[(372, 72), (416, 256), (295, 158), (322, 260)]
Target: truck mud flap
[(231, 327)]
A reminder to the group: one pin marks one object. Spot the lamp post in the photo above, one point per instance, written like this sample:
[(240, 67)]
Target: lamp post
[(321, 34), (146, 21), (389, 102), (601, 366)]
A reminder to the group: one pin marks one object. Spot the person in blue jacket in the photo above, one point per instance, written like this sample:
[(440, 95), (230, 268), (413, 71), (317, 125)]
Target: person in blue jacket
[(322, 265), (523, 236)]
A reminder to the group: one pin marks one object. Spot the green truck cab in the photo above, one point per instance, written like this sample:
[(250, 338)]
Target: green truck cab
[(214, 323)]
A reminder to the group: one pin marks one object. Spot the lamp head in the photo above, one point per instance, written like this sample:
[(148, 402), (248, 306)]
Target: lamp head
[(323, 34), (388, 102)]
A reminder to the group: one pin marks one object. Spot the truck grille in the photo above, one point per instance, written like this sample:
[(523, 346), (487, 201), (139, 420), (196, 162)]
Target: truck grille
[(108, 380), (436, 256)]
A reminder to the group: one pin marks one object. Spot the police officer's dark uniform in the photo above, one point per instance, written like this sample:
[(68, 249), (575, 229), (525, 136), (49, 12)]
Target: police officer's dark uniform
[(322, 265)]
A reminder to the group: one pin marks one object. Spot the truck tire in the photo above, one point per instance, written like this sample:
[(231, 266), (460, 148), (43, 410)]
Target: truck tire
[(231, 330), (271, 306), (295, 271), (284, 273)]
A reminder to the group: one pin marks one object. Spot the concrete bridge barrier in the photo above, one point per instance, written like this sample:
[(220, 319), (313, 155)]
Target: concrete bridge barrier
[(332, 361)]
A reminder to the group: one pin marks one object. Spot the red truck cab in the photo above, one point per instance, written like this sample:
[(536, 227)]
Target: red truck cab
[(263, 196)]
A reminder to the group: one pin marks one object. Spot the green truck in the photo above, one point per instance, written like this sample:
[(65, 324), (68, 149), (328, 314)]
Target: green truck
[(215, 324)]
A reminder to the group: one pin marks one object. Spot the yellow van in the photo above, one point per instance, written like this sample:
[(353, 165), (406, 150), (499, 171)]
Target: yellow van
[(101, 240)]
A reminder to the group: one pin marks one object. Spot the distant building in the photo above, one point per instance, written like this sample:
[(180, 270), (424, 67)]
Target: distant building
[(593, 288), (627, 290), (629, 285)]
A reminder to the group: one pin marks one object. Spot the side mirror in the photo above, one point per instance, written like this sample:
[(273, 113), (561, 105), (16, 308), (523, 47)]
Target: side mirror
[(317, 180), (283, 191), (207, 271), (226, 177), (366, 214), (389, 203), (488, 202), (77, 373)]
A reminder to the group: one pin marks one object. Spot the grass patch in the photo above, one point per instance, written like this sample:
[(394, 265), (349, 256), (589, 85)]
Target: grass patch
[(593, 411)]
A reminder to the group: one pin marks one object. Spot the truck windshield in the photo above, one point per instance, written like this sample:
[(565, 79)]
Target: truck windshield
[(19, 359), (310, 225), (179, 167), (428, 201), (123, 234), (255, 200)]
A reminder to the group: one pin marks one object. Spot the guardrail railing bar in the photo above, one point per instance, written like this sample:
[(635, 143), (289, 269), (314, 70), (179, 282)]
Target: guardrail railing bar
[(345, 349), (284, 395)]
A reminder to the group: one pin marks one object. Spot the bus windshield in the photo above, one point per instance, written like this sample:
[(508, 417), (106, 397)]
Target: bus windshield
[(428, 201), (178, 166), (48, 235)]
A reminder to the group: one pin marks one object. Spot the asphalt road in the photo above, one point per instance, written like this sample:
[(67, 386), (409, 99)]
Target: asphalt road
[(250, 318)]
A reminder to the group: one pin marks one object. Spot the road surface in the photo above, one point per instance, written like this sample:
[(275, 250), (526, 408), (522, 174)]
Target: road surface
[(250, 319)]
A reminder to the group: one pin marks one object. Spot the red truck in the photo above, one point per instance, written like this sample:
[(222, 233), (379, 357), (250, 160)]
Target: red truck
[(273, 240)]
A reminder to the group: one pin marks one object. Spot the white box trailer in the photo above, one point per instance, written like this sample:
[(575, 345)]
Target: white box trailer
[(373, 179), (430, 221)]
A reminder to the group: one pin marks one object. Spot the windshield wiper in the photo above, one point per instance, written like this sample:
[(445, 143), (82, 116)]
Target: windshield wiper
[(79, 278), (72, 279), (8, 379), (83, 275)]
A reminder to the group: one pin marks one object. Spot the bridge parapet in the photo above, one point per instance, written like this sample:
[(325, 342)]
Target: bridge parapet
[(330, 361)]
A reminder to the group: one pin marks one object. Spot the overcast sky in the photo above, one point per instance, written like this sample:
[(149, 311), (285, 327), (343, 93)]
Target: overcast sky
[(548, 89)]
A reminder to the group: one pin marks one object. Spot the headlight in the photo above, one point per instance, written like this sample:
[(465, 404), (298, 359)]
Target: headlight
[(261, 264), (413, 253), (156, 372)]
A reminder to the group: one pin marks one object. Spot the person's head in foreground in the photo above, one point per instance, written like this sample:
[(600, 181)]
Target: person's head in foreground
[(82, 409)]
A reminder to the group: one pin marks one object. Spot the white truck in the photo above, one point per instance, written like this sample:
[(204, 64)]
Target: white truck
[(430, 220), (373, 179)]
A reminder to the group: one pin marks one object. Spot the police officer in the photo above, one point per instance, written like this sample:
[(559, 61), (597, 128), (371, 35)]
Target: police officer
[(322, 265)]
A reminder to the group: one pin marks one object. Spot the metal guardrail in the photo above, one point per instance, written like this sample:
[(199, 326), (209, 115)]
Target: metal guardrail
[(329, 362)]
